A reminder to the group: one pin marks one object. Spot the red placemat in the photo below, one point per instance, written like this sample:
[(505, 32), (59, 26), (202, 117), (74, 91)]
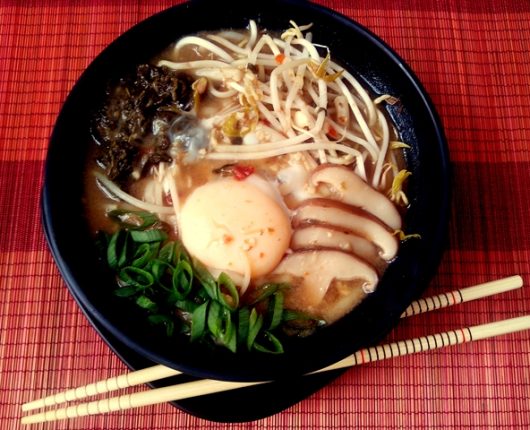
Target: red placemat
[(474, 60)]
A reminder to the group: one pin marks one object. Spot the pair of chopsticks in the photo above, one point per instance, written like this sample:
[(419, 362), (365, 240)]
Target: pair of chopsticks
[(209, 386)]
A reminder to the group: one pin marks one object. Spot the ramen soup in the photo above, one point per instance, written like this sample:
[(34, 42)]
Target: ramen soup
[(274, 175)]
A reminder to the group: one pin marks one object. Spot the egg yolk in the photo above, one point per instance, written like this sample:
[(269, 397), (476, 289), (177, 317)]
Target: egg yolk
[(235, 226)]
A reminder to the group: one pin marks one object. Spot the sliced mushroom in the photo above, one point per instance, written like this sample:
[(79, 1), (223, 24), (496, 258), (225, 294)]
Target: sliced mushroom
[(314, 236), (340, 299), (347, 217), (317, 269), (349, 188)]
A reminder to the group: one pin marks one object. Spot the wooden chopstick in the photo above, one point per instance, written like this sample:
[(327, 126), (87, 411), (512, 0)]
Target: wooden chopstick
[(126, 380), (462, 295), (159, 371), (209, 386)]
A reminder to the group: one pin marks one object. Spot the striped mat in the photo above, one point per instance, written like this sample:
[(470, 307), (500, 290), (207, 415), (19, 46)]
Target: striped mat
[(474, 60)]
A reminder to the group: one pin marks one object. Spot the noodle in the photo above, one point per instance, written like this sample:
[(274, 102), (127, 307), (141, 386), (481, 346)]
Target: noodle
[(281, 151), (199, 41), (273, 140), (116, 191)]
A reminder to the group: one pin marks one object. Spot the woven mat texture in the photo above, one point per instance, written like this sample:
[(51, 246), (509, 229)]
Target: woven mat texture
[(473, 57)]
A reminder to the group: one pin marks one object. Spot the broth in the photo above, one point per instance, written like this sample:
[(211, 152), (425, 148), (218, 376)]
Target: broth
[(251, 127)]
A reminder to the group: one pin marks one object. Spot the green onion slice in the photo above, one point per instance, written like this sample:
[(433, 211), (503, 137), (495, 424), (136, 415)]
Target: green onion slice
[(112, 256), (136, 277), (221, 325), (198, 321), (214, 319), (133, 220), (255, 322), (148, 235), (206, 279), (125, 291), (173, 252), (159, 268), (276, 310), (228, 335), (117, 249), (187, 306), (182, 280), (167, 252), (230, 340), (266, 290), (180, 253), (275, 347), (146, 303), (144, 253), (228, 294), (243, 324)]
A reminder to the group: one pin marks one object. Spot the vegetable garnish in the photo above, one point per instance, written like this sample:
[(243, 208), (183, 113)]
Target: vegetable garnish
[(240, 123), (295, 30), (133, 220), (279, 58), (396, 193), (332, 132), (146, 97), (399, 145), (199, 87), (178, 293), (320, 70), (402, 236), (241, 172), (238, 171)]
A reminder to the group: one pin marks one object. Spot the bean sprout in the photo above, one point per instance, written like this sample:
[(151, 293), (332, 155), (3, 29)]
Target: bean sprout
[(305, 101)]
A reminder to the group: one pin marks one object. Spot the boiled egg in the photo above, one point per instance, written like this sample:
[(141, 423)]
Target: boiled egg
[(236, 225)]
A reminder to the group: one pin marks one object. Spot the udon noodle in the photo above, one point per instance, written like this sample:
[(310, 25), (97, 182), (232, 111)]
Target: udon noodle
[(278, 167)]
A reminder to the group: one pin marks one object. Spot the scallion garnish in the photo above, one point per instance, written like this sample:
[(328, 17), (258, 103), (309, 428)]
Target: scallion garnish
[(266, 290), (227, 293), (198, 321), (159, 276), (243, 324), (133, 220), (146, 303), (117, 249), (182, 280), (275, 310), (148, 235), (131, 276), (255, 321), (274, 346), (144, 253)]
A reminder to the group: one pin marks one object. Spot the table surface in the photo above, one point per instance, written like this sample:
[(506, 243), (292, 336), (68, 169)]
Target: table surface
[(474, 60)]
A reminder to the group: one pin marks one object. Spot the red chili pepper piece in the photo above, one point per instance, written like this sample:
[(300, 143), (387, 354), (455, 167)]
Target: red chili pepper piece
[(332, 132), (241, 172)]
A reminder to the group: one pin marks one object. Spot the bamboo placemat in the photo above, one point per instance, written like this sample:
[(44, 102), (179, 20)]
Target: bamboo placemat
[(474, 60)]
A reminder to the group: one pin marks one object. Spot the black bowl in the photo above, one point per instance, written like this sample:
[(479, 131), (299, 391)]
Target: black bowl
[(374, 64)]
